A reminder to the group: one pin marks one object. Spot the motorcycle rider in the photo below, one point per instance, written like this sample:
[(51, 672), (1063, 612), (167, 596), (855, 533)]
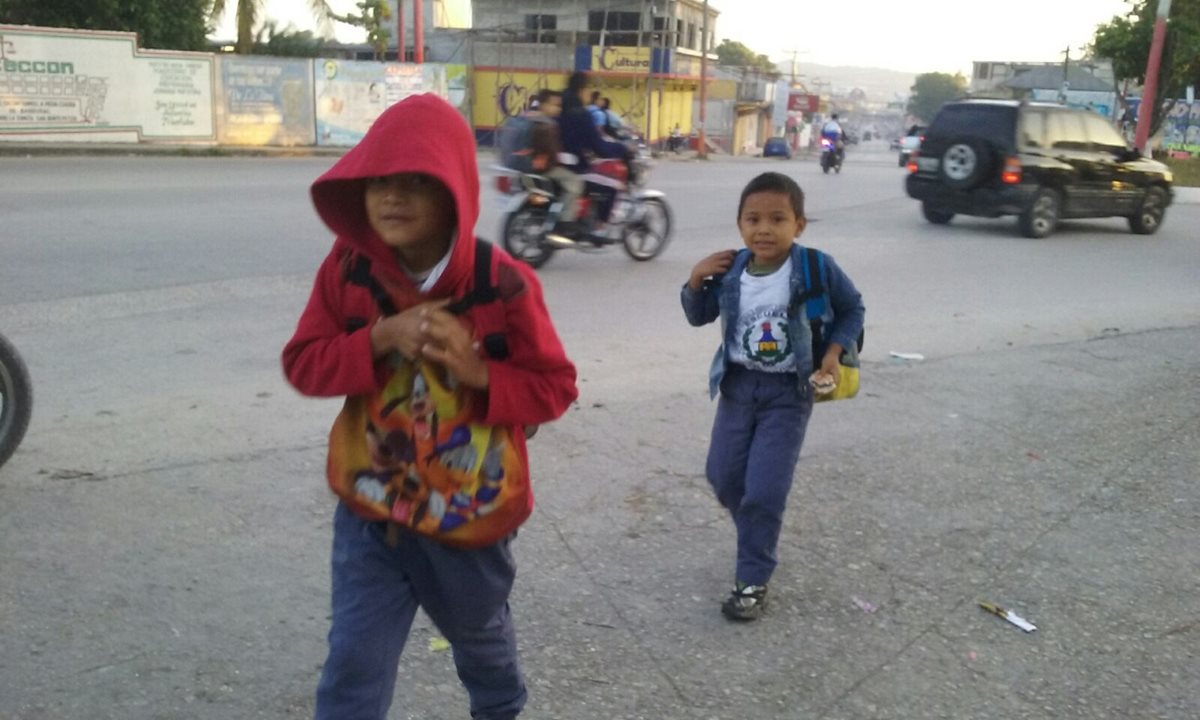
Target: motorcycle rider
[(530, 144), (581, 138), (832, 130)]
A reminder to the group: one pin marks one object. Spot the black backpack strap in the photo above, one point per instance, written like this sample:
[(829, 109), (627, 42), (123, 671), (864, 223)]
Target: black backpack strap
[(482, 290), (358, 272)]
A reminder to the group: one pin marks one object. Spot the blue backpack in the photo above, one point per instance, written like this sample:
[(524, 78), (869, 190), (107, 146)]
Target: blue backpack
[(816, 305)]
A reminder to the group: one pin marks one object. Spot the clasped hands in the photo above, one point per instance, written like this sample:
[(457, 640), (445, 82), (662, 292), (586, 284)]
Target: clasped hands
[(430, 332)]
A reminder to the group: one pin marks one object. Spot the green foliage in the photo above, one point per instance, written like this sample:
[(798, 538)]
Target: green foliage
[(1126, 42), (1186, 171), (178, 25), (932, 90), (289, 42), (249, 11), (373, 16), (734, 54)]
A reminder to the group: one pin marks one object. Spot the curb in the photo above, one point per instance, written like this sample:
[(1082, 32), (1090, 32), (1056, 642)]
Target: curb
[(16, 149)]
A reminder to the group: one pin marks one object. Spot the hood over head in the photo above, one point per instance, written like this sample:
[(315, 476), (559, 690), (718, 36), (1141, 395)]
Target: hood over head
[(420, 134)]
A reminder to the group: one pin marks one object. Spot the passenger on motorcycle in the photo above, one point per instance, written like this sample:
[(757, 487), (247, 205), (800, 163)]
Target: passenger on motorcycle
[(832, 130), (581, 138), (532, 145)]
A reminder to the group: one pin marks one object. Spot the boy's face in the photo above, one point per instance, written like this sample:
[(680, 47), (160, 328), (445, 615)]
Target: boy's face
[(412, 213), (769, 225), (552, 107)]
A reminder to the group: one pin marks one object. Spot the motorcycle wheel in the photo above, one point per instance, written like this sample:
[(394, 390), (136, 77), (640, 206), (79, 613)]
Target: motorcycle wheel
[(523, 237), (646, 237), (825, 164), (16, 399)]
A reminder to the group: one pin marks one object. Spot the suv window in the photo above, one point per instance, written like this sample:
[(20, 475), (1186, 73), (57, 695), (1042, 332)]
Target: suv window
[(1103, 136), (1064, 131), (995, 123)]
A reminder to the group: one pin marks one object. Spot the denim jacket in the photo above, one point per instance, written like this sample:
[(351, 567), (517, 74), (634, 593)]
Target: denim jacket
[(720, 296)]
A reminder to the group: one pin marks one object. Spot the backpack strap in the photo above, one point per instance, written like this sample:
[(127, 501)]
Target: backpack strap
[(482, 290), (814, 299), (483, 294), (358, 272)]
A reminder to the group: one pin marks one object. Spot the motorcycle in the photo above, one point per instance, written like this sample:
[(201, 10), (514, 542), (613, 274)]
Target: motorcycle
[(640, 218), (831, 156), (16, 399)]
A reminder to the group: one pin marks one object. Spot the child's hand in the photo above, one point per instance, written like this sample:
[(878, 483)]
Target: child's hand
[(402, 332), (718, 262), (829, 375), (447, 340)]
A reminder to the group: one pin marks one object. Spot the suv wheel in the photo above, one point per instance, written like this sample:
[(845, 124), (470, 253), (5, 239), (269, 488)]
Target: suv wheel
[(935, 216), (1041, 216), (1149, 216), (965, 163)]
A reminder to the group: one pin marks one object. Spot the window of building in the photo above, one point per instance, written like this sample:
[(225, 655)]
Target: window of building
[(621, 27), (542, 23), (983, 71), (689, 40), (662, 27)]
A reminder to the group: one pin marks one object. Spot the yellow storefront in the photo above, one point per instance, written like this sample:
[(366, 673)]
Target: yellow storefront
[(639, 82)]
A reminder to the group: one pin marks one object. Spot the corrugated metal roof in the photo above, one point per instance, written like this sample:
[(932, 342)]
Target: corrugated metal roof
[(1051, 78)]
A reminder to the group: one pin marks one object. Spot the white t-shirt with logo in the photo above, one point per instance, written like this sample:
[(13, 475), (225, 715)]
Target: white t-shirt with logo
[(760, 339)]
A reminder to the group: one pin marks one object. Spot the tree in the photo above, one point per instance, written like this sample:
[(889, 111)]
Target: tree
[(178, 25), (731, 53), (248, 12), (372, 16), (1125, 41), (932, 90), (289, 42)]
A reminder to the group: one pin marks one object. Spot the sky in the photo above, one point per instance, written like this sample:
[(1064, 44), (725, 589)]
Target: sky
[(920, 36)]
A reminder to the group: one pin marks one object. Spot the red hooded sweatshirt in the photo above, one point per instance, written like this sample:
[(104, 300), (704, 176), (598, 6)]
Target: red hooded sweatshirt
[(330, 353)]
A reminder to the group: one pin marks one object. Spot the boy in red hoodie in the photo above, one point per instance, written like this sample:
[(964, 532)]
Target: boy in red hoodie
[(428, 454)]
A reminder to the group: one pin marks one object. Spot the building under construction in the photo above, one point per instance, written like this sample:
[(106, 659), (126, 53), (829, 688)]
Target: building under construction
[(643, 55)]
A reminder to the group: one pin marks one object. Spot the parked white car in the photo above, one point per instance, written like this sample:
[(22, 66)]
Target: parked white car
[(911, 142)]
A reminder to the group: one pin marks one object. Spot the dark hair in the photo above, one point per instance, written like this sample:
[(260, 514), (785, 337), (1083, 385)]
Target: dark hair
[(605, 103), (595, 97), (773, 182), (545, 94), (570, 94), (576, 82)]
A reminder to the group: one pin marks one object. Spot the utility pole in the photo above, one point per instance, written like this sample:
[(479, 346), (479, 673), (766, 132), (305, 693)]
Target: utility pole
[(1066, 83), (703, 149), (650, 70), (400, 57), (1146, 108), (794, 52), (418, 31)]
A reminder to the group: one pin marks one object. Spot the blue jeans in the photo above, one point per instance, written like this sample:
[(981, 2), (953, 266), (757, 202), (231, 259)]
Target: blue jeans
[(756, 439), (376, 592)]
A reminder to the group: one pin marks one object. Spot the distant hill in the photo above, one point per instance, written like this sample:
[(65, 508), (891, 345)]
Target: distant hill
[(879, 84)]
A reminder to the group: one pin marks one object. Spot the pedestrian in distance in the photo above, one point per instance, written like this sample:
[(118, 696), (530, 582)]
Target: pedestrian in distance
[(764, 370), (444, 351)]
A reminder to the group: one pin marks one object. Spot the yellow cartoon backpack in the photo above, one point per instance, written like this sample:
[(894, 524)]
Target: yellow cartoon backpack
[(415, 455)]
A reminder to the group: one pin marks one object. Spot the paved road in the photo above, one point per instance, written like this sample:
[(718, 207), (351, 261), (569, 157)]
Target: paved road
[(165, 528)]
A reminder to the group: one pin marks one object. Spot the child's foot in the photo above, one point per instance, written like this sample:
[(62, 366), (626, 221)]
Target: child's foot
[(745, 602)]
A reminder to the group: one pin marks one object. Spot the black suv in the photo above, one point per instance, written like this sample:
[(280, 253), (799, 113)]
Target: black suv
[(1038, 161)]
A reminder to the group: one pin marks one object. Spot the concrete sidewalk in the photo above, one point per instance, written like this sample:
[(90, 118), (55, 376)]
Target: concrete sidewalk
[(1059, 481)]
